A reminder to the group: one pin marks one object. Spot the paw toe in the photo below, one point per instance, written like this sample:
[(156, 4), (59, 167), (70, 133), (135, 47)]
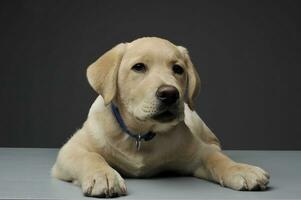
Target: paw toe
[(104, 185), (246, 177)]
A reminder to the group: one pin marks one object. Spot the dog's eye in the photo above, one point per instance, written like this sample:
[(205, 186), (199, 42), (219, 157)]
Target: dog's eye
[(139, 67), (177, 69)]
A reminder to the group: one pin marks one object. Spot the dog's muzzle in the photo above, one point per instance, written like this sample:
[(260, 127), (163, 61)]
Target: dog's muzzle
[(168, 97)]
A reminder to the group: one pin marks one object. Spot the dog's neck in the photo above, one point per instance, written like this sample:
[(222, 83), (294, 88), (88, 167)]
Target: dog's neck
[(138, 137), (134, 125)]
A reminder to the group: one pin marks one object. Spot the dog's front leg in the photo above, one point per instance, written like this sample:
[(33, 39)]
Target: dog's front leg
[(218, 167), (214, 165), (78, 164)]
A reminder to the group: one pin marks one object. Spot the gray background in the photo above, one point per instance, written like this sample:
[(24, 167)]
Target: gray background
[(247, 52)]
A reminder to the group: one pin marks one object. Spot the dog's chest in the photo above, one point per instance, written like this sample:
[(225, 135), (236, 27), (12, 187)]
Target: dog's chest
[(141, 166), (140, 163), (164, 152)]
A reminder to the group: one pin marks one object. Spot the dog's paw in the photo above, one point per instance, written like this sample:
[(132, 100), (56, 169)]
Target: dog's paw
[(104, 184), (245, 177)]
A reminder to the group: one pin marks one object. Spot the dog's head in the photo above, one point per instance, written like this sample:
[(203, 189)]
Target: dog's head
[(150, 77)]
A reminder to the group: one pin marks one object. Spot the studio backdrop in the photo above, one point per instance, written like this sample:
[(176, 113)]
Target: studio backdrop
[(247, 54)]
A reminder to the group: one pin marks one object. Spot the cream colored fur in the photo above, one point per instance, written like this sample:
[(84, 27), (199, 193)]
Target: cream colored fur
[(99, 154)]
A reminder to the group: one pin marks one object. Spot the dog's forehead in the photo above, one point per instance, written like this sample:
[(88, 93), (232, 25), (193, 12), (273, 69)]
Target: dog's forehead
[(152, 46)]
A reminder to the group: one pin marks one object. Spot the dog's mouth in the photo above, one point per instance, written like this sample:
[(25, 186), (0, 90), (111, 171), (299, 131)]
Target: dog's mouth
[(165, 116)]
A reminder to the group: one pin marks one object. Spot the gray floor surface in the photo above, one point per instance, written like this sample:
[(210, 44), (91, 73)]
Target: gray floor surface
[(25, 174)]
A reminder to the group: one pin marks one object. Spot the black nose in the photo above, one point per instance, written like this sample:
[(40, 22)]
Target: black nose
[(167, 94)]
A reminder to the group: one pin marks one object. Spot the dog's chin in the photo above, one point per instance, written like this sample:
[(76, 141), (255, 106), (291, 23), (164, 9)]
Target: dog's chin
[(165, 117)]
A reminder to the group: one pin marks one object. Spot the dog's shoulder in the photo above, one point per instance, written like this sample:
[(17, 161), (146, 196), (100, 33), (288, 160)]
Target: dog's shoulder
[(98, 106), (198, 128)]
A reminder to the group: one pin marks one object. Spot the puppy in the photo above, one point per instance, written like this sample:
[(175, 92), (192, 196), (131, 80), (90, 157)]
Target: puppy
[(143, 123)]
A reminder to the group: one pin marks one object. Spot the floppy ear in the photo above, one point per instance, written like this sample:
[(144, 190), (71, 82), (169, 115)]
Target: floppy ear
[(102, 74), (193, 78)]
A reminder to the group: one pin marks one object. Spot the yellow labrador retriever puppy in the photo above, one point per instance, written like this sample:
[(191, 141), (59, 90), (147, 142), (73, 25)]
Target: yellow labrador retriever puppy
[(143, 123)]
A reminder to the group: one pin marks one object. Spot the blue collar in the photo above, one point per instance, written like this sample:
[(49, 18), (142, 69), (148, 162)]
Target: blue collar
[(138, 137)]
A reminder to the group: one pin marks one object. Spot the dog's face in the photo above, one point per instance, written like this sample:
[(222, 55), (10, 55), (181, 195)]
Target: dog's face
[(152, 80), (149, 77)]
